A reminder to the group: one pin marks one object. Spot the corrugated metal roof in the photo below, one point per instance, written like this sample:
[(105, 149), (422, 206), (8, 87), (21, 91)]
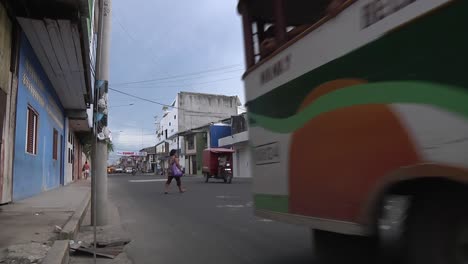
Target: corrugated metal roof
[(57, 44)]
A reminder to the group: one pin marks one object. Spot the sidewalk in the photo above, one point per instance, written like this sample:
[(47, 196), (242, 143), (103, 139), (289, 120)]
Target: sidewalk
[(28, 227), (111, 233)]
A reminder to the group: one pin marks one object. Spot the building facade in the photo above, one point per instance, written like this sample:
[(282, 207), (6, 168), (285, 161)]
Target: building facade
[(45, 91), (149, 161), (40, 123), (7, 103), (191, 110), (198, 139), (239, 142)]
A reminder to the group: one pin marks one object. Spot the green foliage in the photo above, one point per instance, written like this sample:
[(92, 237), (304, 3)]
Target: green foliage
[(88, 146)]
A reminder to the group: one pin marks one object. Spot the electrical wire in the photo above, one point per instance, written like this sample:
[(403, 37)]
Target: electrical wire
[(178, 86), (170, 81), (158, 103), (169, 78), (131, 37)]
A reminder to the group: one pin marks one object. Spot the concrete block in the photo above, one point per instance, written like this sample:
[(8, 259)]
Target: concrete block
[(71, 228), (25, 253), (58, 254)]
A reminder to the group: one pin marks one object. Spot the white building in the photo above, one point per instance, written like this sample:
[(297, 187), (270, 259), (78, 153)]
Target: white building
[(239, 141), (191, 110)]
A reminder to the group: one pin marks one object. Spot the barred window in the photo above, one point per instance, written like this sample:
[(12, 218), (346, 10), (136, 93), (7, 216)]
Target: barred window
[(31, 131)]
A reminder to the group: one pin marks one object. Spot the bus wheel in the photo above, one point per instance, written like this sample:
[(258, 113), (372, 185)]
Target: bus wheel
[(437, 229), (390, 227), (207, 177), (331, 248)]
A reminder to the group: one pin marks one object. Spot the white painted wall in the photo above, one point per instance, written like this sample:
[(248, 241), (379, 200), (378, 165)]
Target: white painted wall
[(68, 146), (8, 144), (242, 161), (195, 110), (198, 109)]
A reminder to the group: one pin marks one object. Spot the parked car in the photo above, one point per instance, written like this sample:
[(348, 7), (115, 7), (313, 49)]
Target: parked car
[(119, 170), (128, 170)]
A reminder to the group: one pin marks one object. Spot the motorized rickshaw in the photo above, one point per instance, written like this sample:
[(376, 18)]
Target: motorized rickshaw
[(217, 163)]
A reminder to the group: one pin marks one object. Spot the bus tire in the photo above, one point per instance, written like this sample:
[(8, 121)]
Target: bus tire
[(437, 229), (207, 177), (337, 248)]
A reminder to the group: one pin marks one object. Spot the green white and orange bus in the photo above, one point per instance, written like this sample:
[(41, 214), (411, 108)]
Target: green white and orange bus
[(358, 114)]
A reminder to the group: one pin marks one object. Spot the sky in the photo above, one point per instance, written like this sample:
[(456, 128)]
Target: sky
[(160, 48)]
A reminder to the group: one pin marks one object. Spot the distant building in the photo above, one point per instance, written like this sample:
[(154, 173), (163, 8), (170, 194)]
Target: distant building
[(200, 138), (191, 110), (149, 161)]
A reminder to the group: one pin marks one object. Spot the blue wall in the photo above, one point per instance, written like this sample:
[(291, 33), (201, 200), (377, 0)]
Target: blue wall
[(217, 132), (33, 174)]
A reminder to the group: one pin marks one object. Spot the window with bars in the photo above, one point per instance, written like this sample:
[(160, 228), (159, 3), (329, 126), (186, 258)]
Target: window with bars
[(69, 155), (191, 142), (55, 145), (31, 131)]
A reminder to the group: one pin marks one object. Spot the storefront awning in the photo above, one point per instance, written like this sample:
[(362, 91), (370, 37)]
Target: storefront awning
[(58, 46)]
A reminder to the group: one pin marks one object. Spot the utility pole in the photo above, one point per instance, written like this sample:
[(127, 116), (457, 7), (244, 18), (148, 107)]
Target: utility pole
[(99, 179)]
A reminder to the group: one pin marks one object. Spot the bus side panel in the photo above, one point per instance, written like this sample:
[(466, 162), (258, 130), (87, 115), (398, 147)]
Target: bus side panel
[(337, 156), (340, 128)]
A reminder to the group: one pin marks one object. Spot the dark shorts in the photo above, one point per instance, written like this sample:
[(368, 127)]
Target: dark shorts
[(169, 180)]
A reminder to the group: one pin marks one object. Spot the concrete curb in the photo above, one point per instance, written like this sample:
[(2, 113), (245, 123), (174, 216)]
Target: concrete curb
[(58, 253), (71, 228)]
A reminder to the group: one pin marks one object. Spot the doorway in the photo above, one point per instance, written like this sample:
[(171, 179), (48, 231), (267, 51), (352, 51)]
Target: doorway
[(62, 178)]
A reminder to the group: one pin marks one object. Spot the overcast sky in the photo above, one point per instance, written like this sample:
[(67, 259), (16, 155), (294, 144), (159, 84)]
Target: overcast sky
[(160, 39)]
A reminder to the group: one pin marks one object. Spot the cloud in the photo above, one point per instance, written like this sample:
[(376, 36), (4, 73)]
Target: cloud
[(159, 38), (132, 140)]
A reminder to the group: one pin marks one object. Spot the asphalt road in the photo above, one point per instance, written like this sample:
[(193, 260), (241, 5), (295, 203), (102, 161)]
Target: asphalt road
[(210, 223)]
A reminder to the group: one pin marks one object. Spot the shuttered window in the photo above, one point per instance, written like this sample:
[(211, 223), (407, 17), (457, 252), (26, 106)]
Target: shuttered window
[(55, 145), (32, 124)]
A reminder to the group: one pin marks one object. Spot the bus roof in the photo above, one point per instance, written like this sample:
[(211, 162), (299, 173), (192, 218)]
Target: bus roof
[(297, 12)]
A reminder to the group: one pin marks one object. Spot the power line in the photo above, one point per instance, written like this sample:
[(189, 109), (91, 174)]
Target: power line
[(181, 75), (158, 103), (179, 79), (135, 40), (124, 29), (179, 86), (140, 98)]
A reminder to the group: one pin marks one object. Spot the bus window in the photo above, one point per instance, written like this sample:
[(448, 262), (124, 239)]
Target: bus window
[(269, 24)]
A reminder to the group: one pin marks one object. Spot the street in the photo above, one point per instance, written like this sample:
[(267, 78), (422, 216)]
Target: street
[(211, 222)]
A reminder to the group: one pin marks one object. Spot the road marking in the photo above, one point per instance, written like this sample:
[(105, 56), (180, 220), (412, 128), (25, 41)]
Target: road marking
[(265, 220), (153, 180), (226, 197), (230, 206)]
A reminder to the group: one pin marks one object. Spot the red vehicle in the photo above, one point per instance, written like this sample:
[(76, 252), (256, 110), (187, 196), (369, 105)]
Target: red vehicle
[(217, 163)]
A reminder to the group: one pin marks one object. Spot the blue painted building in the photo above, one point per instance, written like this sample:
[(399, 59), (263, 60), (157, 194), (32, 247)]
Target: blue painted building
[(40, 125)]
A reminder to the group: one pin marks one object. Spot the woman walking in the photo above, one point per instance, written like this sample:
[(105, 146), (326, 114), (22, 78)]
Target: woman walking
[(174, 172), (85, 170)]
